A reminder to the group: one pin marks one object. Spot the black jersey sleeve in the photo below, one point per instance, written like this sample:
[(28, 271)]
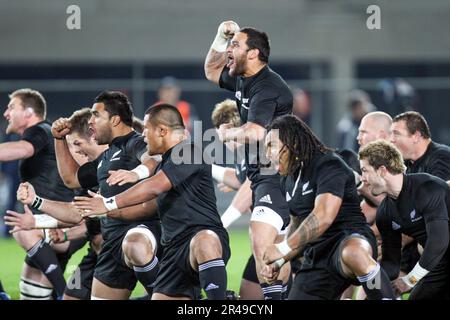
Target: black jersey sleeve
[(180, 167), (439, 166), (263, 104), (331, 178), (430, 202), (226, 81), (391, 245), (37, 137), (178, 173), (137, 147), (87, 175)]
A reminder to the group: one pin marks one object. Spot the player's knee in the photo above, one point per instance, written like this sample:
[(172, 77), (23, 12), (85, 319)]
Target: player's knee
[(137, 249), (206, 244), (30, 290), (27, 239), (356, 253)]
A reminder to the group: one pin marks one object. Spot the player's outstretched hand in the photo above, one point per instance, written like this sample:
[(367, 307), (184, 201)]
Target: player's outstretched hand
[(26, 193), (90, 206), (121, 177), (20, 221), (61, 128)]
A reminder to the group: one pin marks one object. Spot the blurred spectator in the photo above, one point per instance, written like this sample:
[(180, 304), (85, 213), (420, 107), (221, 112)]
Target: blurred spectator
[(359, 104), (169, 92), (302, 106), (398, 95)]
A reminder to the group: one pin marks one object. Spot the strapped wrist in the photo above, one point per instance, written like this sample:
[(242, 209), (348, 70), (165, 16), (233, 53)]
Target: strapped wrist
[(37, 202), (142, 171), (110, 203), (416, 274), (283, 247)]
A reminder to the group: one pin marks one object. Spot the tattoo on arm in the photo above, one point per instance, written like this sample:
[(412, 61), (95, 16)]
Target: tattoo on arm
[(216, 59), (308, 231)]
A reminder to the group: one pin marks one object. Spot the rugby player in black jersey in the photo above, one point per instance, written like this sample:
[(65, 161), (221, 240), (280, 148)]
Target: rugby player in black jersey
[(417, 205), (26, 113), (238, 61), (130, 248), (336, 244), (412, 136), (195, 243), (236, 179), (63, 214)]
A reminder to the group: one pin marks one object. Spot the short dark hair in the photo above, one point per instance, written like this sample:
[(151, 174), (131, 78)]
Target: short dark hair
[(117, 104), (31, 99), (165, 114), (258, 40), (79, 122), (414, 122)]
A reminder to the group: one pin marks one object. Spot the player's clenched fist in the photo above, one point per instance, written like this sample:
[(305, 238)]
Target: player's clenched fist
[(26, 193), (60, 128), (225, 32)]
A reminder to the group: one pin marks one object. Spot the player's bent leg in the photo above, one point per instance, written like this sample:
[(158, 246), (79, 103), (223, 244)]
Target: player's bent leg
[(250, 288), (28, 238), (139, 247), (42, 257), (263, 234), (205, 255), (101, 291), (356, 261)]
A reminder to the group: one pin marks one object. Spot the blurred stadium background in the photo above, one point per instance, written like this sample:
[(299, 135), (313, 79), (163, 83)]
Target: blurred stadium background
[(322, 47)]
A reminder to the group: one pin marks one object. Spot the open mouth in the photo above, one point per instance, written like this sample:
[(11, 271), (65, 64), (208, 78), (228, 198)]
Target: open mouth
[(93, 133), (230, 61)]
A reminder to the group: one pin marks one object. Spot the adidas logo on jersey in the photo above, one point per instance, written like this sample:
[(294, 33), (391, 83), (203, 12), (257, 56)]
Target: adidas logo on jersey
[(211, 286), (266, 198), (395, 226), (51, 268)]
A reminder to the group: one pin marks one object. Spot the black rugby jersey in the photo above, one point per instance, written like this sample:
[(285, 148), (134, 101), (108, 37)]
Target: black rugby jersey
[(124, 152), (435, 161), (41, 169), (421, 211), (260, 99), (328, 173), (191, 203)]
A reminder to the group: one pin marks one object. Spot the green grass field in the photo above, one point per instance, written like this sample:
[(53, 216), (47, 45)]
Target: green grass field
[(12, 256)]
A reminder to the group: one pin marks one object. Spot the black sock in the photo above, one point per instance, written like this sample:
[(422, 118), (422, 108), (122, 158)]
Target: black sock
[(272, 291), (1, 287), (376, 284), (147, 274), (284, 291), (43, 256), (213, 279)]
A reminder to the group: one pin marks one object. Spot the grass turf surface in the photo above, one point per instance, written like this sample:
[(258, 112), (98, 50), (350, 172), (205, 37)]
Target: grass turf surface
[(12, 256)]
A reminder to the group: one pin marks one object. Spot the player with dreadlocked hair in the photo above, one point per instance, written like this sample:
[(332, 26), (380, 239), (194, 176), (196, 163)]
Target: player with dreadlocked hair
[(300, 141), (337, 245)]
